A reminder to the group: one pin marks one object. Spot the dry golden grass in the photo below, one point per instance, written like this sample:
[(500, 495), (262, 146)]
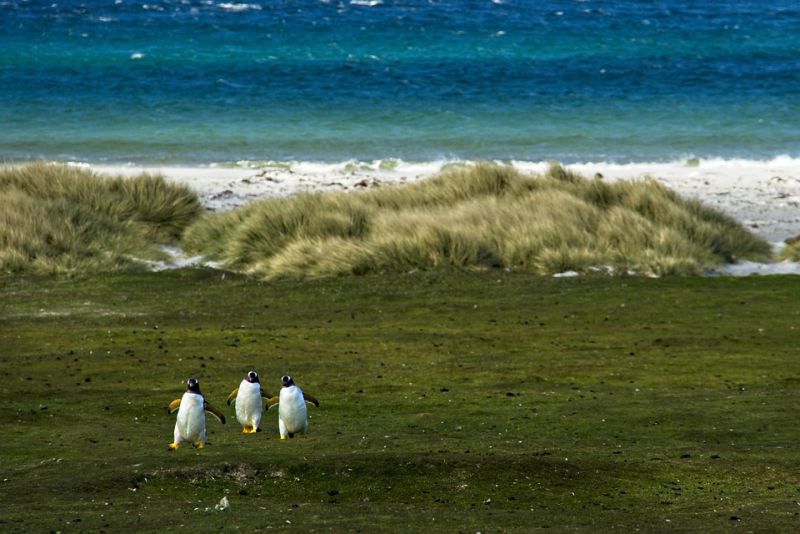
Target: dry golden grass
[(59, 219), (478, 217), (791, 251), (62, 219)]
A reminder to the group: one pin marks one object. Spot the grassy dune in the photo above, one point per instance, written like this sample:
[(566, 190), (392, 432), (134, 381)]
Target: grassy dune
[(59, 219), (478, 217), (791, 251), (62, 219), (450, 402)]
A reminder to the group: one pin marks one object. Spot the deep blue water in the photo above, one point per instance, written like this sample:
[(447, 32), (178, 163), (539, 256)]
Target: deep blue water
[(194, 82)]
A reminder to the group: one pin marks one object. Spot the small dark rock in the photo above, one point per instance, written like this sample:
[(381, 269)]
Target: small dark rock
[(223, 194)]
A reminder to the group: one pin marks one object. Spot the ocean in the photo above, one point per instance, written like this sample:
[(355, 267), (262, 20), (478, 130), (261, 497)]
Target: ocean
[(186, 82)]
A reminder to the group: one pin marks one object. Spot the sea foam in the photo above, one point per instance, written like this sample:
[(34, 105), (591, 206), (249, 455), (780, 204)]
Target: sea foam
[(230, 6)]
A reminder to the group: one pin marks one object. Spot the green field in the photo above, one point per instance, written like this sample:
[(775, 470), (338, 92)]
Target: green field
[(450, 401)]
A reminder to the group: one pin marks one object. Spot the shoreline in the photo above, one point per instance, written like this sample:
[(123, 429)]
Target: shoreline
[(764, 196)]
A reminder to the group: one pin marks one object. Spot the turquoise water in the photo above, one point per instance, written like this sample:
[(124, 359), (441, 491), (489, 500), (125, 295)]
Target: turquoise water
[(196, 82)]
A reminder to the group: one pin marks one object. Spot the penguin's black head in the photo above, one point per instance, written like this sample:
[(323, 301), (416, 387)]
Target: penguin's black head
[(194, 385), (287, 381), (252, 377)]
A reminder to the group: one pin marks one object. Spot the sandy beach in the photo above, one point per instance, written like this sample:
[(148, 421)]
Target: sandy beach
[(763, 195)]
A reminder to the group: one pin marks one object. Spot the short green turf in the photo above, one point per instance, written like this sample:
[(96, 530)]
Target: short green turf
[(451, 402)]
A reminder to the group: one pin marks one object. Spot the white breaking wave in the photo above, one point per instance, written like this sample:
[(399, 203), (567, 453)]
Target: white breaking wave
[(690, 167), (230, 6)]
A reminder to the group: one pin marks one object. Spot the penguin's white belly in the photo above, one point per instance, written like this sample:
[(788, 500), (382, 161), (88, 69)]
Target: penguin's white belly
[(249, 404), (191, 423), (292, 410)]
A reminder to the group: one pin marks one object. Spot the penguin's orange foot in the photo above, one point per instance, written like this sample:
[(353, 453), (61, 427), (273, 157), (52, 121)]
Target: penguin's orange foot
[(246, 430), (283, 437), (172, 446), (199, 445)]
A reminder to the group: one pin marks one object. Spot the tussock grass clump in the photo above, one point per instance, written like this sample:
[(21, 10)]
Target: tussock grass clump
[(791, 251), (478, 217), (55, 218), (259, 231)]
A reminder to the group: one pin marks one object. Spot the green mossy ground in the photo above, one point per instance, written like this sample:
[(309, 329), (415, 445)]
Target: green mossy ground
[(449, 402)]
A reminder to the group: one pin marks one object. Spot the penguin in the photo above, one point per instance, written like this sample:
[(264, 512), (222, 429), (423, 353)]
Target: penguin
[(248, 401), (292, 413), (191, 424)]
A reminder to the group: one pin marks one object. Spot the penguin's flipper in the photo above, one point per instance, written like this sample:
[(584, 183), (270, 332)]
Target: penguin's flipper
[(266, 394), (232, 396), (273, 401), (214, 411), (174, 405), (308, 398)]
